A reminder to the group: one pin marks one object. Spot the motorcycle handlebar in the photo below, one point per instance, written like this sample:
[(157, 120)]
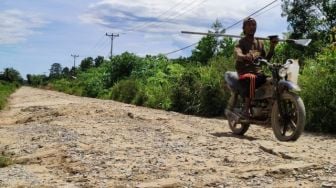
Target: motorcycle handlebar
[(260, 60)]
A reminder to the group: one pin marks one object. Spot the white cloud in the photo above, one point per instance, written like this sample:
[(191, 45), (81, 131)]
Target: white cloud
[(160, 22), (16, 26), (198, 13)]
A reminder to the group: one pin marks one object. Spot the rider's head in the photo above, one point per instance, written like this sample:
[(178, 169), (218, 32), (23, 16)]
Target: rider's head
[(249, 26)]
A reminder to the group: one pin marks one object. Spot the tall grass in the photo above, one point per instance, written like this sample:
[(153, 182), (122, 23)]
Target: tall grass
[(5, 90), (5, 161)]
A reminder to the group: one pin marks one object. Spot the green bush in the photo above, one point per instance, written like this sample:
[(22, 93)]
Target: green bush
[(185, 96), (120, 67), (157, 90), (149, 66), (212, 95), (318, 83), (140, 97), (91, 81), (37, 80), (104, 94), (6, 89), (125, 91), (67, 86), (5, 161), (212, 101)]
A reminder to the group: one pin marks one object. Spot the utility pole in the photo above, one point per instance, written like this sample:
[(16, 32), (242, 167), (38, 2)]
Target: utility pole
[(74, 56), (112, 35)]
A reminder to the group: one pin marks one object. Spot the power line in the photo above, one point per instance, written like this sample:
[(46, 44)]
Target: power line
[(252, 14), (112, 35), (180, 49), (74, 56), (189, 8), (193, 4), (227, 27), (99, 42), (267, 10), (160, 15)]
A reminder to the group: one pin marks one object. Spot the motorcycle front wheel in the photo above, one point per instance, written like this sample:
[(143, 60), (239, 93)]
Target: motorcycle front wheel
[(238, 129), (290, 125)]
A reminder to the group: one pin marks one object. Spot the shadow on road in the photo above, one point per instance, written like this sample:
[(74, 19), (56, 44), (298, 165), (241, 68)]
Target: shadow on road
[(225, 134)]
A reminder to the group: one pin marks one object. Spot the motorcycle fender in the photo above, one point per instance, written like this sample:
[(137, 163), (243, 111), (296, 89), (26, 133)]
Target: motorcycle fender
[(284, 84)]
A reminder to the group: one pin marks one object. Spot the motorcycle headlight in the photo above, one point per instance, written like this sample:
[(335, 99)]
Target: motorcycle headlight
[(282, 72)]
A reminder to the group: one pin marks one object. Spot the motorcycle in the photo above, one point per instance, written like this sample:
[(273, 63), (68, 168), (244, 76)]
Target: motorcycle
[(276, 102)]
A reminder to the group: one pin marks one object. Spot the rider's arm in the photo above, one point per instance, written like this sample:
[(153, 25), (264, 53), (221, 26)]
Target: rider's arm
[(240, 56), (270, 53), (273, 43)]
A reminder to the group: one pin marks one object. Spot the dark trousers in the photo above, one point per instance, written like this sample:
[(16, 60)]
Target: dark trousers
[(249, 82)]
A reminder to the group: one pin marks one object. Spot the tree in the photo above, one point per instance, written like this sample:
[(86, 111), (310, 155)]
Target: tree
[(207, 47), (226, 47), (29, 80), (37, 80), (66, 72), (310, 19), (120, 67), (217, 26), (11, 75), (55, 71), (98, 61), (73, 71), (86, 64)]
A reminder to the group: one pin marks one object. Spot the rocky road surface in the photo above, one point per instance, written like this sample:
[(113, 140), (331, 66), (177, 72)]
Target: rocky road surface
[(59, 140)]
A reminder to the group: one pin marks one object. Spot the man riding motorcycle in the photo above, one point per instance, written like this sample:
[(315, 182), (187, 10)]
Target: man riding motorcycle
[(246, 51)]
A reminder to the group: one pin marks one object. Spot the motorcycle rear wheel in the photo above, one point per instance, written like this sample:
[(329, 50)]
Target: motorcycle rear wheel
[(236, 128), (291, 126)]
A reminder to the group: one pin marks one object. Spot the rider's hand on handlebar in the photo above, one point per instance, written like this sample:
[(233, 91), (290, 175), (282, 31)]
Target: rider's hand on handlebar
[(252, 56)]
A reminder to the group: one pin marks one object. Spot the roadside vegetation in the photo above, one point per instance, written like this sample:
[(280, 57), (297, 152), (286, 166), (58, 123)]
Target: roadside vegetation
[(10, 80), (195, 84), (5, 161)]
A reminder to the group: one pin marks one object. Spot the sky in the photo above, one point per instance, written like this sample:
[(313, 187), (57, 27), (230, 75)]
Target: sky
[(35, 34)]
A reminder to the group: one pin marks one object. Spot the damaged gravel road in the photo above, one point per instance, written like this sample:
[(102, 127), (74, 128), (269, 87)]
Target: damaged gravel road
[(59, 140)]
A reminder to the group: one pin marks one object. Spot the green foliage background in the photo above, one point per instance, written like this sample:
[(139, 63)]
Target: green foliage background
[(195, 84), (154, 81), (318, 81), (6, 88), (192, 87)]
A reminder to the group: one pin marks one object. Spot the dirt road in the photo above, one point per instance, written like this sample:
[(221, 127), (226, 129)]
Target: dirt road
[(59, 140)]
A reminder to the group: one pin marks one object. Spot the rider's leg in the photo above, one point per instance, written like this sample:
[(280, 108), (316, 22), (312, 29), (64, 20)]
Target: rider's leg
[(260, 80), (248, 84), (247, 107)]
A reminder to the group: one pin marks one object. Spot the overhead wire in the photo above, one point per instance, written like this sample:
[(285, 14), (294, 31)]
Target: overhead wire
[(164, 14), (259, 10), (99, 41), (180, 49), (234, 24), (189, 8), (268, 9), (160, 15)]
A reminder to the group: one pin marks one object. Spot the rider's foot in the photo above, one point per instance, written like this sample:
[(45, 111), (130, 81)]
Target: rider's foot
[(247, 109), (246, 113)]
